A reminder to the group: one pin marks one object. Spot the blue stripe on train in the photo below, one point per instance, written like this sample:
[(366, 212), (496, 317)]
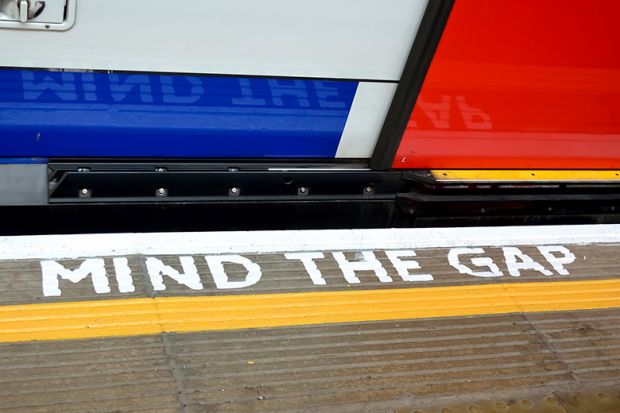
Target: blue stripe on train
[(22, 161), (56, 114)]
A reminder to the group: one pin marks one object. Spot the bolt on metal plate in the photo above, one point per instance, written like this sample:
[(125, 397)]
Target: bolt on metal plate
[(85, 193)]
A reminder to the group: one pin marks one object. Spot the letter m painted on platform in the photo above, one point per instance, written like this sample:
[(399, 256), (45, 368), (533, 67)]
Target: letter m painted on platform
[(52, 272)]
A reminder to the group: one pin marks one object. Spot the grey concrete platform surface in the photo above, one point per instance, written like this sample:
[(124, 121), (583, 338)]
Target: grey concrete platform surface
[(544, 336)]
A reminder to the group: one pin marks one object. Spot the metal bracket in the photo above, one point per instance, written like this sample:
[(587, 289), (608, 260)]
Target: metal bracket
[(143, 183), (52, 15)]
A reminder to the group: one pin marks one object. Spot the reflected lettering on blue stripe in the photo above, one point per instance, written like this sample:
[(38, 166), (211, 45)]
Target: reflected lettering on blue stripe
[(67, 114)]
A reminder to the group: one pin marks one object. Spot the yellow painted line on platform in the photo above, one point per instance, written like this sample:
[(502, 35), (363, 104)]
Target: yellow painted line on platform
[(143, 316), (470, 175)]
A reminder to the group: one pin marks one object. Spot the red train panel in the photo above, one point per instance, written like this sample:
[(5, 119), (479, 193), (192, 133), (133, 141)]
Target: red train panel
[(521, 84)]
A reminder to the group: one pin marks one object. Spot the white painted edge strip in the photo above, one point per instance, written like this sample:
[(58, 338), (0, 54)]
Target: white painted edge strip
[(196, 243)]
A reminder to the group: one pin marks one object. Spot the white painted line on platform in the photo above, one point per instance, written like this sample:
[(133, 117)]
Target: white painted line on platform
[(188, 243)]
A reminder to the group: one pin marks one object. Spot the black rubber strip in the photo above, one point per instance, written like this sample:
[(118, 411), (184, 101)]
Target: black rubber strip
[(419, 60)]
